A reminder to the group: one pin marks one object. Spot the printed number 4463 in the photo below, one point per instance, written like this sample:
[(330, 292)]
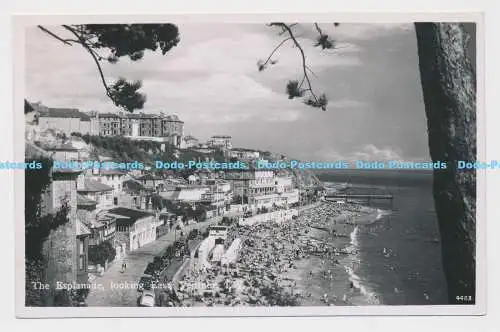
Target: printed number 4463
[(464, 298)]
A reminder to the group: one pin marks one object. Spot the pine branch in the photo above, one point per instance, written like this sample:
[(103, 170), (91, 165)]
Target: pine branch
[(50, 33), (94, 56), (263, 65), (287, 28)]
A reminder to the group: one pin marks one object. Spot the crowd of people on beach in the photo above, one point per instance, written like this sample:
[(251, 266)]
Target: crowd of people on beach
[(270, 251)]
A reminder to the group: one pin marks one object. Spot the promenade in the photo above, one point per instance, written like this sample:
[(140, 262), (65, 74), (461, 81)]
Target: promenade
[(137, 262)]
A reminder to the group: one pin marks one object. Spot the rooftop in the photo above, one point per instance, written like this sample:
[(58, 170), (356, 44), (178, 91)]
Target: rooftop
[(82, 229), (111, 171), (67, 146), (149, 177), (221, 136), (132, 185), (64, 113), (173, 117), (128, 216), (81, 200), (94, 186)]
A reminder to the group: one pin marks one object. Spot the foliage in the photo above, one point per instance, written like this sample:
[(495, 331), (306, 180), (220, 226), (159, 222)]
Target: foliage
[(37, 224), (320, 102), (62, 298), (120, 40), (239, 199), (187, 155), (35, 269), (294, 88), (127, 150), (125, 94), (157, 202), (27, 107), (226, 221), (132, 39), (193, 234), (101, 253)]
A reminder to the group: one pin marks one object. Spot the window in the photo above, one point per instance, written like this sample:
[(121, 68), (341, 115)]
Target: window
[(82, 264), (115, 200)]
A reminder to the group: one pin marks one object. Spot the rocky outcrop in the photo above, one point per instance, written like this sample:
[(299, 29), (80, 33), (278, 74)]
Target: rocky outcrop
[(449, 90)]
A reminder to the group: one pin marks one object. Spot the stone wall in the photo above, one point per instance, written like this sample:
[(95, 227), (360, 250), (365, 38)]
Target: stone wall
[(275, 216), (59, 249)]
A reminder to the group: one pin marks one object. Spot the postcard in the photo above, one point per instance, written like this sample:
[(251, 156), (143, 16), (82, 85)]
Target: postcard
[(249, 165)]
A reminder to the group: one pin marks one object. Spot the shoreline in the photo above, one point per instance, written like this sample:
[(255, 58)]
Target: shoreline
[(304, 262), (328, 281)]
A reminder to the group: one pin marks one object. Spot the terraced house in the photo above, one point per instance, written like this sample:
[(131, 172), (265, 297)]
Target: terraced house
[(142, 126)]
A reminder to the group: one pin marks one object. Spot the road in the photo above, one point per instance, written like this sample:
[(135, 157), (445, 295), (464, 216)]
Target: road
[(117, 288)]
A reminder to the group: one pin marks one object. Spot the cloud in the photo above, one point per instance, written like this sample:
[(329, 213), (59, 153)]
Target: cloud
[(356, 31), (372, 153), (369, 152), (345, 103), (211, 81)]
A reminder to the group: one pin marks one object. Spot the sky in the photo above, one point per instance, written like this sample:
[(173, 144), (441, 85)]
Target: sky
[(211, 81)]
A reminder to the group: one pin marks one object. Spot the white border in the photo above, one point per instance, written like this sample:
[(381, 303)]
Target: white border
[(26, 312)]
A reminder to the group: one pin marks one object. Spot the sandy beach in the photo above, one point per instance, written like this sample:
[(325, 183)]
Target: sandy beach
[(308, 261)]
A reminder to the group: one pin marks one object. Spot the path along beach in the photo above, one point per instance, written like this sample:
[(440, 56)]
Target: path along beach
[(310, 260)]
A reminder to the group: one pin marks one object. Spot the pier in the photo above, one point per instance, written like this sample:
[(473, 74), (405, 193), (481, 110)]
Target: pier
[(360, 196), (346, 197)]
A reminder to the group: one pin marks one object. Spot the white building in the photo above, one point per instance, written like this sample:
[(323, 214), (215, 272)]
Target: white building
[(111, 177), (137, 228), (244, 154), (189, 142), (287, 193), (220, 141), (99, 192)]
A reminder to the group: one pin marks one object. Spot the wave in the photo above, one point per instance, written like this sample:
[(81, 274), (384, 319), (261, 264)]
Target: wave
[(382, 213), (354, 237), (356, 281)]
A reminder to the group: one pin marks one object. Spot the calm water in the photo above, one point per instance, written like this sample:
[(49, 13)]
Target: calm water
[(400, 254)]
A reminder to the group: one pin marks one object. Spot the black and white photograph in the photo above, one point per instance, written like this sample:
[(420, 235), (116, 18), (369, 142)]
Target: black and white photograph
[(218, 167)]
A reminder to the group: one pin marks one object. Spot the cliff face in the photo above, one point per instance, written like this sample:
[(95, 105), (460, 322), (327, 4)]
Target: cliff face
[(449, 90)]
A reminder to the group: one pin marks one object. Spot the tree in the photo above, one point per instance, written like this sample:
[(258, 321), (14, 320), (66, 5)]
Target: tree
[(120, 40), (294, 88), (449, 88), (225, 221), (157, 202), (37, 227), (101, 253)]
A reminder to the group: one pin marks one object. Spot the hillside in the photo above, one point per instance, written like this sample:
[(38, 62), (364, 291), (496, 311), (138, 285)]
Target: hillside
[(147, 152)]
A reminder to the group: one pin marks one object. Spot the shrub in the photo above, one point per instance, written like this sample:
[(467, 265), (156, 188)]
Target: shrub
[(193, 234), (225, 221), (102, 252)]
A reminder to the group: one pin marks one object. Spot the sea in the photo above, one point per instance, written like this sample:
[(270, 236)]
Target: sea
[(398, 256)]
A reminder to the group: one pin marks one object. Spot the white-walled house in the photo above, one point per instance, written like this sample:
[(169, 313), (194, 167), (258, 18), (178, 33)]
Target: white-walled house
[(111, 177), (135, 228), (287, 193), (99, 192)]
